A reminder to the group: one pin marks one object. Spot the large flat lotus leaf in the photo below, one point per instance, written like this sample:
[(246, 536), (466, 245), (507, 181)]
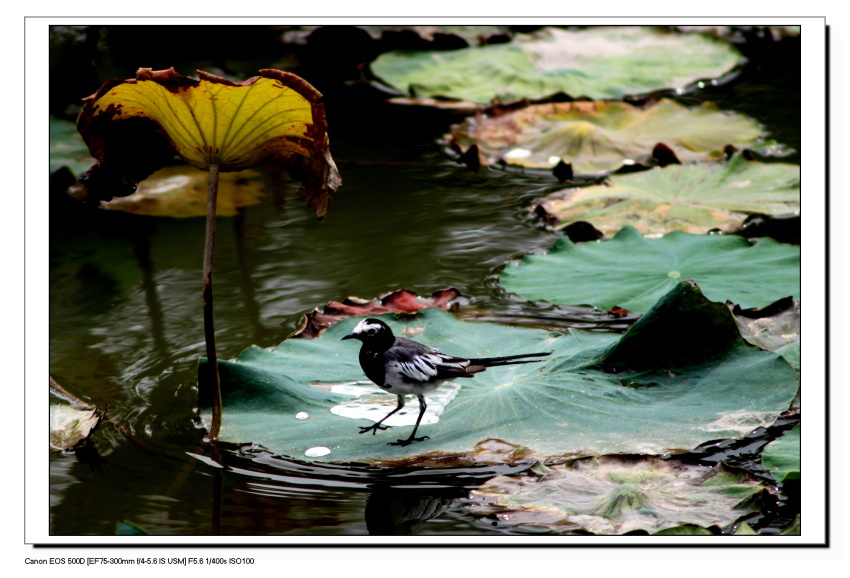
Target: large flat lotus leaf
[(692, 198), (565, 405), (617, 494), (134, 127), (633, 272), (599, 62), (67, 148), (601, 137), (782, 456), (181, 191)]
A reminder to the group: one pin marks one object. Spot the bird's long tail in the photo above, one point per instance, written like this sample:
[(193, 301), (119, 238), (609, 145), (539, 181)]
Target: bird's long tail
[(507, 359)]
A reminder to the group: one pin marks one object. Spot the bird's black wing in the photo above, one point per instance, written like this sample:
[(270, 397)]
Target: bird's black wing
[(413, 362)]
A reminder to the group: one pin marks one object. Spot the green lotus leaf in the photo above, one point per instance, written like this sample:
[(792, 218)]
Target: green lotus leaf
[(781, 457), (618, 494), (306, 398), (634, 272), (601, 137), (597, 62), (775, 328), (67, 148), (691, 198)]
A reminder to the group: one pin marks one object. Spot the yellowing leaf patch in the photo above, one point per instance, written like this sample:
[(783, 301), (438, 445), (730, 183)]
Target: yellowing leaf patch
[(134, 127)]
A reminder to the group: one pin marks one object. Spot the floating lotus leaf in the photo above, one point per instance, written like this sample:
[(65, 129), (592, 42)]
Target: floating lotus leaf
[(597, 62), (565, 405), (618, 494), (633, 272), (135, 127), (601, 137), (782, 456), (181, 191), (691, 198)]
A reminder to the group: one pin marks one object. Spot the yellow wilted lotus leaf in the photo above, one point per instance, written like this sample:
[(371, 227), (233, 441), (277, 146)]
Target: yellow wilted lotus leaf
[(136, 126)]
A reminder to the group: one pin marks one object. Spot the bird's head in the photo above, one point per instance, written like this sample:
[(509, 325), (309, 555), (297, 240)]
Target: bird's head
[(372, 331)]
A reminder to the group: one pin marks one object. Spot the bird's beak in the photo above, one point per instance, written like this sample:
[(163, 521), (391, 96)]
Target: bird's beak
[(349, 336)]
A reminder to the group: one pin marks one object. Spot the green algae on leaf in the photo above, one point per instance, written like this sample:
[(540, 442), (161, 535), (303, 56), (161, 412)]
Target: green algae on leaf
[(594, 62), (692, 198), (601, 137), (633, 272)]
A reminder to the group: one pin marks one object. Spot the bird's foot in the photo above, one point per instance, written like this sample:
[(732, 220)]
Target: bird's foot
[(408, 441), (373, 428)]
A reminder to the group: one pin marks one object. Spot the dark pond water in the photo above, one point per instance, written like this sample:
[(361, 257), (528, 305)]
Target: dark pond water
[(126, 329)]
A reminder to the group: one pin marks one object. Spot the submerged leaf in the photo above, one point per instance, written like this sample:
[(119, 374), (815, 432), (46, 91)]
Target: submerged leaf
[(601, 137), (564, 405), (690, 198), (633, 272), (596, 62), (134, 127), (618, 494)]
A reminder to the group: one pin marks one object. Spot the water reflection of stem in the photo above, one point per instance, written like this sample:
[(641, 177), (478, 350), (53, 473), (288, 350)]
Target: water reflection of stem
[(142, 250), (210, 380), (246, 280)]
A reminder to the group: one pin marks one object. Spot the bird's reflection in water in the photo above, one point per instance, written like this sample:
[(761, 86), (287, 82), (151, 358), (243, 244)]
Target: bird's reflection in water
[(404, 512)]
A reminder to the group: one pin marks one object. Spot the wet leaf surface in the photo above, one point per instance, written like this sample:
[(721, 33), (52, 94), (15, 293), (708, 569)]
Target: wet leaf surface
[(619, 494), (633, 272), (597, 62), (601, 137), (565, 405), (691, 198)]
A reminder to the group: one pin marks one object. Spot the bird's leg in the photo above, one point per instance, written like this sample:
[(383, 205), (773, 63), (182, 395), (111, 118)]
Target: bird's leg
[(411, 439), (376, 426)]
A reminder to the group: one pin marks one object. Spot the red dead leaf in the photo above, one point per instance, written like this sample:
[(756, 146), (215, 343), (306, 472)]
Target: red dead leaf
[(401, 301)]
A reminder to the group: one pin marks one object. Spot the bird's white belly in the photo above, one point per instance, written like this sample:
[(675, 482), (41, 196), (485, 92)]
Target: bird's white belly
[(396, 385)]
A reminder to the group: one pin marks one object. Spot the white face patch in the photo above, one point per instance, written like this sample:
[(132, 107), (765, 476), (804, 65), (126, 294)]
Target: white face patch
[(366, 327)]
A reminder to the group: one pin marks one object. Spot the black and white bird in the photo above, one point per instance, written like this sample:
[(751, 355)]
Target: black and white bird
[(404, 367)]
